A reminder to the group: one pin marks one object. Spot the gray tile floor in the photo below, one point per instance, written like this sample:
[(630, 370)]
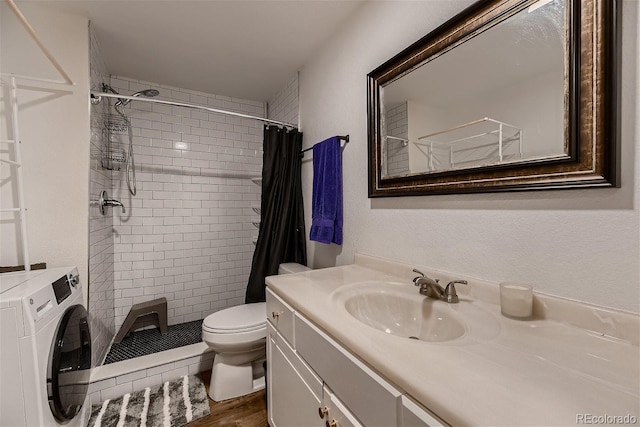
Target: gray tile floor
[(149, 341)]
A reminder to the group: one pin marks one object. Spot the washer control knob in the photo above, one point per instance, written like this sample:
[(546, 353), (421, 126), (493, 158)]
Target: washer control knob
[(74, 279)]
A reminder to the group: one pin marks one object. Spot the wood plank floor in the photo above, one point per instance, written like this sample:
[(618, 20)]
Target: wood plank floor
[(245, 411)]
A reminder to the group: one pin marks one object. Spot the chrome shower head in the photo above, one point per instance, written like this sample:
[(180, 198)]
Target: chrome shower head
[(108, 88), (149, 93)]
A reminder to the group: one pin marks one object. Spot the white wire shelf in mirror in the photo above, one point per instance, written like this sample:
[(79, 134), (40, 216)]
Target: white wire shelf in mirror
[(471, 144), (403, 141)]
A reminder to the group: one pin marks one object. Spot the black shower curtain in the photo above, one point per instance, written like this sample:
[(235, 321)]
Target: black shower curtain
[(282, 232)]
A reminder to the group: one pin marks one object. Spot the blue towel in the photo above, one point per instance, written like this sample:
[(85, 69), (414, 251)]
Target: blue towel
[(326, 209)]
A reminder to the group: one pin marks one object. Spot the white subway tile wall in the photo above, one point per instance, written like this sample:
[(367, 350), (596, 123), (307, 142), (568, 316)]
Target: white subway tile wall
[(397, 124), (101, 250), (187, 233), (283, 105)]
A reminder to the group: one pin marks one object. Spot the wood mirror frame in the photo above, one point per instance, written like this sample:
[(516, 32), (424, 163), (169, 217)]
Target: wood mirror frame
[(591, 106)]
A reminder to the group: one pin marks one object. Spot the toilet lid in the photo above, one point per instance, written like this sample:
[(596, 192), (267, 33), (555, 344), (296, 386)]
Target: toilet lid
[(243, 318)]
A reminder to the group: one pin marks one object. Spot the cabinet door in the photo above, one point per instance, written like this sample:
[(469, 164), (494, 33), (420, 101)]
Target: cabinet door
[(367, 395), (337, 415), (293, 399)]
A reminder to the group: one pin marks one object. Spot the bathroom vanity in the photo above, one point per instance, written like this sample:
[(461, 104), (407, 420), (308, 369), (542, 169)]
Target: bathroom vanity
[(329, 385), (357, 345)]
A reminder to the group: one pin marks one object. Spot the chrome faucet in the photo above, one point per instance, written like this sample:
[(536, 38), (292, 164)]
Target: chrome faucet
[(105, 201), (432, 289), (115, 203), (428, 286)]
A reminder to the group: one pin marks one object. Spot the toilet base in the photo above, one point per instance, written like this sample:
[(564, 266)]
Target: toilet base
[(234, 380)]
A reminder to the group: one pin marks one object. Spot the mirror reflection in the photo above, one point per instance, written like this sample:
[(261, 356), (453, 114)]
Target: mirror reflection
[(498, 97)]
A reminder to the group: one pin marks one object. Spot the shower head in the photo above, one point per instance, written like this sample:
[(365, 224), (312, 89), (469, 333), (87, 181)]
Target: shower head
[(149, 93), (108, 88)]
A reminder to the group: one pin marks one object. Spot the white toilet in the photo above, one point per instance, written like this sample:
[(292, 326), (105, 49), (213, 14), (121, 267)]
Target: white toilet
[(238, 336)]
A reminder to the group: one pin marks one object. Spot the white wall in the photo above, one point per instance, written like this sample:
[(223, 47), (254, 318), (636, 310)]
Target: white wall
[(580, 244), (101, 285), (54, 126), (422, 120), (283, 104), (541, 121)]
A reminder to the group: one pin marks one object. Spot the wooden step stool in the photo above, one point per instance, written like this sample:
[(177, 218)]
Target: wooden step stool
[(156, 306)]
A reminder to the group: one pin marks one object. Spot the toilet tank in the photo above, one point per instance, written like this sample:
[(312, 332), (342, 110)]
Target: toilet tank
[(292, 267)]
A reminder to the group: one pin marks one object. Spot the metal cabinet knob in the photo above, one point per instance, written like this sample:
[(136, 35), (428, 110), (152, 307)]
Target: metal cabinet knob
[(323, 411), (331, 423), (276, 314)]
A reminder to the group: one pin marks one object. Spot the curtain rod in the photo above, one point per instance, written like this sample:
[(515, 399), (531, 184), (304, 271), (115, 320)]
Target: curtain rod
[(97, 96), (344, 138)]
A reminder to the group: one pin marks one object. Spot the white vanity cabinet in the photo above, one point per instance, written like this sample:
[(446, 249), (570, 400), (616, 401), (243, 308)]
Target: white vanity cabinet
[(294, 392), (313, 381)]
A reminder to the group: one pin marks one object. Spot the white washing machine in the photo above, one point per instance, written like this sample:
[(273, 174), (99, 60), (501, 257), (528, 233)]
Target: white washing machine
[(45, 351)]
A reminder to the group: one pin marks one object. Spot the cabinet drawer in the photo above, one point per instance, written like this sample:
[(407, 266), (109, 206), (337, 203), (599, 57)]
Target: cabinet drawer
[(280, 314), (310, 378), (356, 384)]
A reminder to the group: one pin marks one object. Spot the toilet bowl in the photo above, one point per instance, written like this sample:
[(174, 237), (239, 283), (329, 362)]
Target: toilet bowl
[(238, 337)]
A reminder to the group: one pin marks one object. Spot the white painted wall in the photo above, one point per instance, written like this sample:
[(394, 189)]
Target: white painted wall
[(422, 119), (541, 121), (101, 249), (54, 126), (580, 244)]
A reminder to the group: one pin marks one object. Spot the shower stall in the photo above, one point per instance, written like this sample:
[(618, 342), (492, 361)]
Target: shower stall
[(191, 196), (184, 177)]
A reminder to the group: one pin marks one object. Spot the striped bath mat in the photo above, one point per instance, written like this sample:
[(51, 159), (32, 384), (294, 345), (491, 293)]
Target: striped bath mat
[(172, 404)]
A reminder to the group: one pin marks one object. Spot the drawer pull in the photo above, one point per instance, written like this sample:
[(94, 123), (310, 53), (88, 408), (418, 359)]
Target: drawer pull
[(323, 411), (276, 314), (332, 423)]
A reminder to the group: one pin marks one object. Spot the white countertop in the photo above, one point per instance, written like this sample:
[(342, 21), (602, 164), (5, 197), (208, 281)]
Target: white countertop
[(538, 372)]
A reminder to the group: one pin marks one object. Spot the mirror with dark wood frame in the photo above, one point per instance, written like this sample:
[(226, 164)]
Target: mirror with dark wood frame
[(507, 95)]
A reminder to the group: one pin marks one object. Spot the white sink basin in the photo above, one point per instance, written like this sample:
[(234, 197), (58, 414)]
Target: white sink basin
[(398, 309)]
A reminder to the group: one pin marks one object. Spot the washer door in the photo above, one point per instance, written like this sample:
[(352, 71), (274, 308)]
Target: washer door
[(69, 367)]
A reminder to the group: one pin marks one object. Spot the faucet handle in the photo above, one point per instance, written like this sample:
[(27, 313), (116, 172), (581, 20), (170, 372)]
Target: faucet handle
[(427, 279), (450, 293), (415, 279)]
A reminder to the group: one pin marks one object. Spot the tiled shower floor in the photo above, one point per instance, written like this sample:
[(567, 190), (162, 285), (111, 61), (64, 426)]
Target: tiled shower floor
[(149, 341)]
